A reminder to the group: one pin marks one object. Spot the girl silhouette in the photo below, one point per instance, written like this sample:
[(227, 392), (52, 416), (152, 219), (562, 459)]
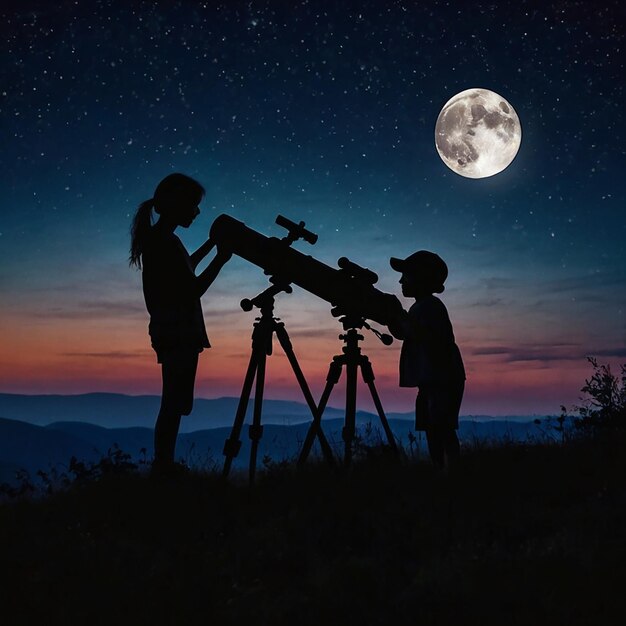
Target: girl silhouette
[(172, 293)]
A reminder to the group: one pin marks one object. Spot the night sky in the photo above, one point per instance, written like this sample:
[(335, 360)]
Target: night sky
[(322, 112)]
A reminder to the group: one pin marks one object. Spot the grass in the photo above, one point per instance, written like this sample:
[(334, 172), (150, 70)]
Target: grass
[(521, 534)]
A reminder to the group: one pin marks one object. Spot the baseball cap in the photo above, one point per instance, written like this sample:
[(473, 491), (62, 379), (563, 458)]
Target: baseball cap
[(427, 265)]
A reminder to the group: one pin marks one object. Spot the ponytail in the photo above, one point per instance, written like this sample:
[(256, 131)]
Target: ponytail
[(138, 231), (169, 192)]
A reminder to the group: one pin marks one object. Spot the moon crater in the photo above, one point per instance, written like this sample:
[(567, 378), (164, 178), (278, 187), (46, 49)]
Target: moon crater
[(478, 133)]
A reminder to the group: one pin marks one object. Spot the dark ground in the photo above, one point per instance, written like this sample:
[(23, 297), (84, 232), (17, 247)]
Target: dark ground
[(520, 535)]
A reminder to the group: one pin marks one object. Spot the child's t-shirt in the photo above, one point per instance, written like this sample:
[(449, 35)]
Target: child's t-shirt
[(429, 352)]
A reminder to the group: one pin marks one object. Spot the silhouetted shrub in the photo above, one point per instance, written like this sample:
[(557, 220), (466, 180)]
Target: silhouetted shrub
[(604, 409), (116, 462)]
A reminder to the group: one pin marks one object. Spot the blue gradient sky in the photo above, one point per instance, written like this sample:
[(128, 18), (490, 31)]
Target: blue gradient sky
[(322, 112)]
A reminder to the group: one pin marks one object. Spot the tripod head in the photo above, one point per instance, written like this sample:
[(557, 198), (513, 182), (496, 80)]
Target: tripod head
[(353, 322), (265, 300)]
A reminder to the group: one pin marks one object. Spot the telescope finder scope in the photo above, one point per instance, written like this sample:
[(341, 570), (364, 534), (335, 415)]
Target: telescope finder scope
[(296, 231)]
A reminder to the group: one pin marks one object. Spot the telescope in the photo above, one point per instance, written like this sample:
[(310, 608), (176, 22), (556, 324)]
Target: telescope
[(350, 289), (351, 292)]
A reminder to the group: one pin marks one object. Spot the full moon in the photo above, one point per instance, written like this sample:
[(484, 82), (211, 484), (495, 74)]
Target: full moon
[(477, 133)]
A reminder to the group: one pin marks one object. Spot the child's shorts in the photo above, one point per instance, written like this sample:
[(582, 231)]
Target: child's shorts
[(438, 405)]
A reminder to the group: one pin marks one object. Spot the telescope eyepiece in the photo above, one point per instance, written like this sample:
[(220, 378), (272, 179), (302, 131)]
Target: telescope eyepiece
[(356, 271), (296, 231)]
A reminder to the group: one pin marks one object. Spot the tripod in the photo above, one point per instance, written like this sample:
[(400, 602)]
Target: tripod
[(262, 335), (352, 358)]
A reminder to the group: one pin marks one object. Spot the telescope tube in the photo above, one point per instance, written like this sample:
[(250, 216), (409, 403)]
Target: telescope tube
[(352, 295)]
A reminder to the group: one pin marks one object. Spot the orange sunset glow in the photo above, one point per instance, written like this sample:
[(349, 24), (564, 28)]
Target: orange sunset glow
[(54, 356)]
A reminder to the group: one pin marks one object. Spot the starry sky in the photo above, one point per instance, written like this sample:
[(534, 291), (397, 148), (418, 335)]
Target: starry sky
[(322, 112)]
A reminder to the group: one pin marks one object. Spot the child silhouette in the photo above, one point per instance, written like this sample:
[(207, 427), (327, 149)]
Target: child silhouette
[(430, 358), (172, 293)]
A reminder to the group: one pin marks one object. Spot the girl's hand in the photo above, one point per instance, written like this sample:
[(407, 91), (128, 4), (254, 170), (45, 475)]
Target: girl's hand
[(223, 255), (201, 252)]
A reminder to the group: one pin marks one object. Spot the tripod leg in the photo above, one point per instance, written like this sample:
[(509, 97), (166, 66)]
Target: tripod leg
[(368, 377), (233, 443), (256, 430), (349, 429), (334, 373), (285, 342)]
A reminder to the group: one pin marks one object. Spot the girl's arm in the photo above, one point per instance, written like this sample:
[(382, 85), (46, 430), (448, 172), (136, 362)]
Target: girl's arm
[(207, 276), (201, 252)]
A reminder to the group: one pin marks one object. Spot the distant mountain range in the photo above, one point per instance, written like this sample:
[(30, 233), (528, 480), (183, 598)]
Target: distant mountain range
[(42, 432), (112, 410)]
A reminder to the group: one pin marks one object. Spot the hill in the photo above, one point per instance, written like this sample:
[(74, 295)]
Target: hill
[(520, 535), (114, 410), (28, 447)]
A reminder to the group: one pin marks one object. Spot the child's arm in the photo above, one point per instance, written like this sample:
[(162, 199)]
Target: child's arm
[(201, 252), (207, 276), (406, 326), (400, 326)]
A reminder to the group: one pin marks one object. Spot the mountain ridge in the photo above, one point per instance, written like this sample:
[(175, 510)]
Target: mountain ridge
[(31, 447), (115, 410)]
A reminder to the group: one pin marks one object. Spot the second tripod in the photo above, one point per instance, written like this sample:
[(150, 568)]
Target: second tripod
[(353, 359), (263, 332)]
